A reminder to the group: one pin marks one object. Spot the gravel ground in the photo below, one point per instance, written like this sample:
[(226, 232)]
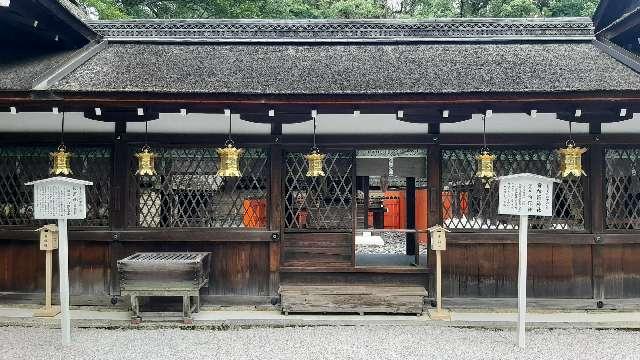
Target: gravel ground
[(374, 342), (394, 243)]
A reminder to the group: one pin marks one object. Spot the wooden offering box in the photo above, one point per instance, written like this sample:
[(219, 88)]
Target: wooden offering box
[(165, 274)]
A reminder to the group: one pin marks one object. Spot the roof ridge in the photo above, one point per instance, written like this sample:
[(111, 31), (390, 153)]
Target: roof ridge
[(176, 30)]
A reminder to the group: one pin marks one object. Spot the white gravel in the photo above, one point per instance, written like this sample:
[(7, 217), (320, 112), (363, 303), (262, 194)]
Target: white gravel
[(364, 342), (394, 243)]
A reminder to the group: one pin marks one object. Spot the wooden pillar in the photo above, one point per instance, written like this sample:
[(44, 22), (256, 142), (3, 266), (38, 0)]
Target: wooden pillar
[(364, 186), (596, 212), (412, 247), (434, 180), (119, 188), (275, 208)]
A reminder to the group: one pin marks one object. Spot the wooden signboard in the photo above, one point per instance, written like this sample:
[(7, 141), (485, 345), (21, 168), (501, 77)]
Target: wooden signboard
[(438, 240), (524, 195), (61, 198)]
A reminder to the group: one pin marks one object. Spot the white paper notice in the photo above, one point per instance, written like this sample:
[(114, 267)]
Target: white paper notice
[(59, 200), (526, 195)]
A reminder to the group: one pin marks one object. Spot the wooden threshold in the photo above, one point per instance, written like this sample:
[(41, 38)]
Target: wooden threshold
[(358, 269)]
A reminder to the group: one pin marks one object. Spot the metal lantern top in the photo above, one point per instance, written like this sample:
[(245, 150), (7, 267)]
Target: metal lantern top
[(485, 166), (61, 161), (146, 162), (571, 160), (229, 155), (316, 163)]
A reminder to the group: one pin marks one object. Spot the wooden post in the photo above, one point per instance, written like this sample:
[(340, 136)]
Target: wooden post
[(438, 244), (275, 208), (595, 201), (411, 246), (48, 310), (63, 261), (440, 313), (438, 281), (48, 263), (434, 171), (120, 201), (522, 278)]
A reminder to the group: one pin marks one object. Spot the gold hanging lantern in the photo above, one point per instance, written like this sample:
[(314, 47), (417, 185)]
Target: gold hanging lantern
[(229, 155), (146, 158), (315, 158), (485, 160), (146, 162), (571, 160), (485, 167), (61, 161), (316, 162)]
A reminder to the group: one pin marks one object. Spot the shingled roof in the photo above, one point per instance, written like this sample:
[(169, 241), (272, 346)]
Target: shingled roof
[(351, 69), (349, 57)]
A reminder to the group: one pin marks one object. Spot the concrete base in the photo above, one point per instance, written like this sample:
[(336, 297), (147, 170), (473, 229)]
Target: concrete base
[(47, 312), (443, 315)]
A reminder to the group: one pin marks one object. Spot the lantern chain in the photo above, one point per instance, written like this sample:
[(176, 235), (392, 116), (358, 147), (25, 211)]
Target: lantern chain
[(314, 134), (229, 140), (570, 142), (62, 131), (484, 133)]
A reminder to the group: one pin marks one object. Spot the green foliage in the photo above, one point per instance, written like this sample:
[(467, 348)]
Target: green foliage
[(106, 9), (512, 8), (432, 9), (347, 9), (571, 7)]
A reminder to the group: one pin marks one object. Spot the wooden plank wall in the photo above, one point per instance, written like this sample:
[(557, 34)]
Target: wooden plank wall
[(490, 270), (236, 269), (317, 249), (22, 267)]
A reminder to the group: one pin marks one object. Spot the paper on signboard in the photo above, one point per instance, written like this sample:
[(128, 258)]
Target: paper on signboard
[(526, 194), (59, 198)]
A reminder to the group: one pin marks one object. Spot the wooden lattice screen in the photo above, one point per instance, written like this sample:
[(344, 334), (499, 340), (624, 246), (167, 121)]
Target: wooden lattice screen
[(468, 206), (186, 192), (319, 203), (622, 189), (20, 164)]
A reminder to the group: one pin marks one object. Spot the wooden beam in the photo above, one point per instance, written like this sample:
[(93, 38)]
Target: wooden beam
[(512, 238), (275, 211), (44, 81), (595, 208), (411, 245), (119, 191)]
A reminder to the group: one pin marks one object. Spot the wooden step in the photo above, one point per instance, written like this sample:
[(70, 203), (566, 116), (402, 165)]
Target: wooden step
[(359, 299)]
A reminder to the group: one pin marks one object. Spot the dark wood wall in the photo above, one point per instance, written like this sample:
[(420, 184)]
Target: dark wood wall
[(238, 268), (595, 264)]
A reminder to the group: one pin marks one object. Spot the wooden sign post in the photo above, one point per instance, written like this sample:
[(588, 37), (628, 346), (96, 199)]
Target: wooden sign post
[(524, 195), (48, 243), (438, 244), (61, 198)]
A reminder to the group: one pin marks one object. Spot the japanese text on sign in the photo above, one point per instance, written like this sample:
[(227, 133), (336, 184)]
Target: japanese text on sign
[(526, 195), (57, 200)]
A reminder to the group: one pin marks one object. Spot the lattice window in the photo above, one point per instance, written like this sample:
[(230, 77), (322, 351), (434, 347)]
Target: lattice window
[(622, 187), (319, 203), (186, 192), (468, 206), (21, 164)]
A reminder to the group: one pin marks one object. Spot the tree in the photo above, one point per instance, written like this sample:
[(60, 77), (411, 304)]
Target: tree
[(512, 8), (348, 9), (429, 8), (571, 7)]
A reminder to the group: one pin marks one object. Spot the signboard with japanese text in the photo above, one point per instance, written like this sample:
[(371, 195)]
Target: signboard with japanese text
[(59, 198), (526, 194)]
